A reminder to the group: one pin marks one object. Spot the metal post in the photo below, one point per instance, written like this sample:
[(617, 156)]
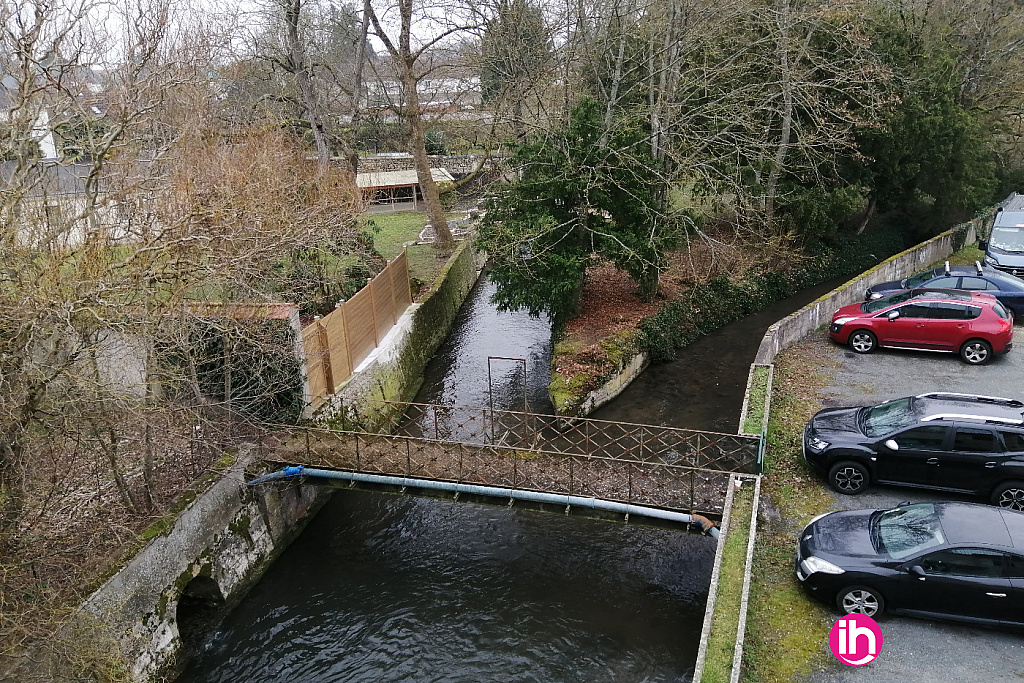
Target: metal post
[(408, 460), (692, 497), (308, 457), (629, 473), (358, 465)]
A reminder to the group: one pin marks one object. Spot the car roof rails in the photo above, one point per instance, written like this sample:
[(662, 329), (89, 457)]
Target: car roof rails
[(988, 419), (976, 398), (977, 264), (947, 269)]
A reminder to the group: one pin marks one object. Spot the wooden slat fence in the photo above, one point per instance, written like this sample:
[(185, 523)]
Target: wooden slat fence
[(336, 344)]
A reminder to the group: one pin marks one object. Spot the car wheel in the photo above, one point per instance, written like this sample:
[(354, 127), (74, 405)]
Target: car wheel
[(863, 341), (976, 352), (849, 478), (1009, 495), (860, 599)]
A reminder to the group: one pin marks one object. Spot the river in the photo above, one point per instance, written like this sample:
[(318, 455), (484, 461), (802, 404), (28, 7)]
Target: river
[(391, 588)]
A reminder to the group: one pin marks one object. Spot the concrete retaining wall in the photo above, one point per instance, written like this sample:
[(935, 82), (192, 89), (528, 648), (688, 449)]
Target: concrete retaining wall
[(809, 318), (230, 534)]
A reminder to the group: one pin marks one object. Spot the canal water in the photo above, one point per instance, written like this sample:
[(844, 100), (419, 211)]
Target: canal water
[(390, 588)]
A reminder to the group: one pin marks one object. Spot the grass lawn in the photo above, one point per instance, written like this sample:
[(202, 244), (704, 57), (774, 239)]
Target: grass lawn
[(391, 231)]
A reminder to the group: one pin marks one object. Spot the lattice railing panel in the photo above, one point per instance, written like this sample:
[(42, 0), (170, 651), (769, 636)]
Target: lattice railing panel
[(578, 436)]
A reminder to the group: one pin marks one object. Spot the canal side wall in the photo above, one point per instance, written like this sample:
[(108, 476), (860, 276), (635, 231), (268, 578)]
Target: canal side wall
[(394, 372), (230, 534)]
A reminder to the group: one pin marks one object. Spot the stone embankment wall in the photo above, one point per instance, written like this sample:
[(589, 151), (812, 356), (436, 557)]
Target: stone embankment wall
[(809, 318), (229, 535), (221, 543)]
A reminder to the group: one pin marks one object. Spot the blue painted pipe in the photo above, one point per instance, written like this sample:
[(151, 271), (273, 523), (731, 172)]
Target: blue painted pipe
[(498, 492)]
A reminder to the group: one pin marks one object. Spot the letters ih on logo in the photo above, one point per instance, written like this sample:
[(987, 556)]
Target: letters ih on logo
[(855, 639)]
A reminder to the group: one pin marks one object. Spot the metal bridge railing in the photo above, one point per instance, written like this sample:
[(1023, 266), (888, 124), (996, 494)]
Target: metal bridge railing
[(575, 436), (637, 477)]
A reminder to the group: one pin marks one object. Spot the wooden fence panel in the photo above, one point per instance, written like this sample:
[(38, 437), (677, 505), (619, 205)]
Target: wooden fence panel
[(336, 325), (383, 304), (337, 344), (400, 283), (312, 343), (361, 326)]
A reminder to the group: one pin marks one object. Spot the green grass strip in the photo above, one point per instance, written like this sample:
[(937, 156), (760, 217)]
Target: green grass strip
[(756, 401), (722, 641)]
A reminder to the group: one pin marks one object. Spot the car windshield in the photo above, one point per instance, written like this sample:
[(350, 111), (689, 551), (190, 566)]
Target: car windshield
[(906, 530), (1008, 239), (885, 301), (888, 417), (919, 279)]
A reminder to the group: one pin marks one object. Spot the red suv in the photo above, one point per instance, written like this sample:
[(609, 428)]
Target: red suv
[(972, 324)]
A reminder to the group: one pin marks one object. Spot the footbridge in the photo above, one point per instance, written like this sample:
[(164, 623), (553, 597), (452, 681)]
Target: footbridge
[(597, 468)]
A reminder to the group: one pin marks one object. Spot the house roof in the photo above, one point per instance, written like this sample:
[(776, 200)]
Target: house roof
[(399, 178)]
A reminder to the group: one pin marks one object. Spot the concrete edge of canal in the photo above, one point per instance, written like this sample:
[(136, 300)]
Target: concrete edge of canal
[(220, 544), (780, 336)]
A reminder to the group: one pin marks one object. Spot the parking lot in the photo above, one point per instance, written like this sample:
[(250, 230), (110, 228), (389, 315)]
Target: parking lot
[(917, 650)]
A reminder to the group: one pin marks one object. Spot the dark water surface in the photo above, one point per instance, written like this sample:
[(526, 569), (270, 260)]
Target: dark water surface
[(390, 588), (703, 389), (457, 374)]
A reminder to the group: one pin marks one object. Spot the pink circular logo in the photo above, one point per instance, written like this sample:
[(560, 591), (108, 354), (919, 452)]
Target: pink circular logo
[(855, 639)]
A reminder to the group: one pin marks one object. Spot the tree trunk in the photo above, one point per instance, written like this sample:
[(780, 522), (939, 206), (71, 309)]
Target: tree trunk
[(786, 113), (355, 106), (867, 216), (418, 149), (297, 57), (406, 61)]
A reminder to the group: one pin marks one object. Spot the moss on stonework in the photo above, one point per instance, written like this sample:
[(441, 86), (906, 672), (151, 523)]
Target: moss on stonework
[(603, 360), (240, 527)]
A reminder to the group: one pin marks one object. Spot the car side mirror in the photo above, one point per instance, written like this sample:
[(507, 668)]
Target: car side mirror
[(918, 571), (892, 445), (893, 315), (983, 244)]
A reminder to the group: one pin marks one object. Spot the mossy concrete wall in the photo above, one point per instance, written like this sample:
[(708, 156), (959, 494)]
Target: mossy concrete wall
[(394, 372), (230, 534), (792, 328)]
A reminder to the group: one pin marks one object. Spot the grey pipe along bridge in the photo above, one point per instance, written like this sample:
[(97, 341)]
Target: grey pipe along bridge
[(662, 476)]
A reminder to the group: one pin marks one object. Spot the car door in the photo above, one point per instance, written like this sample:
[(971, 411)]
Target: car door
[(962, 582), (916, 458), (1013, 570), (947, 325), (1011, 463), (905, 329), (968, 464)]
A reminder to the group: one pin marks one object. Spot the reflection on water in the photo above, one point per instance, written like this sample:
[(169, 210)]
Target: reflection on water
[(388, 588), (458, 373)]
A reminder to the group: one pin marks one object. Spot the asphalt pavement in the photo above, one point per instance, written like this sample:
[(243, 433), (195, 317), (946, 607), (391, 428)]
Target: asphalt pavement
[(918, 650)]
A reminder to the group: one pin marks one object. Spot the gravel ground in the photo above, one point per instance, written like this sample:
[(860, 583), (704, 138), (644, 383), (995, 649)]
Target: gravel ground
[(918, 650)]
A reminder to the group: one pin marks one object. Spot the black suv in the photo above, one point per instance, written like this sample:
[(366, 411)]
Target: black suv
[(943, 441)]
